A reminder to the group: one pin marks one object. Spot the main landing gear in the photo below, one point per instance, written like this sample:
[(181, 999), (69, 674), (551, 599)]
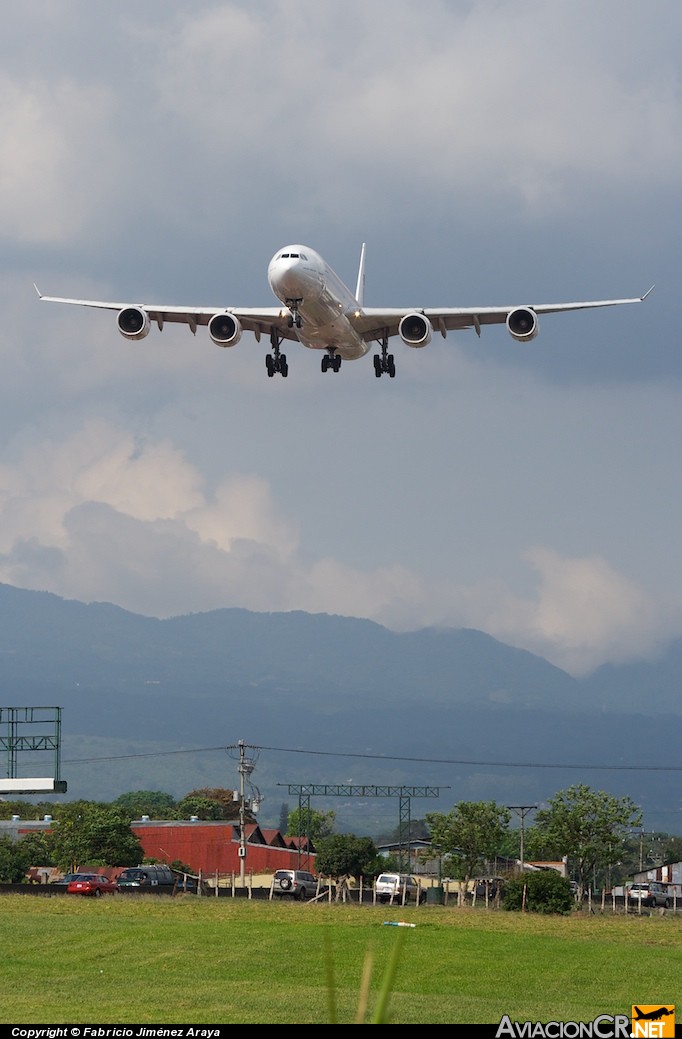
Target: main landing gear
[(331, 360), (276, 362), (385, 362)]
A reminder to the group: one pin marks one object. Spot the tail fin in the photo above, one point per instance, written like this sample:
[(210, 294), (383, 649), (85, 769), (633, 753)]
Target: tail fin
[(360, 288)]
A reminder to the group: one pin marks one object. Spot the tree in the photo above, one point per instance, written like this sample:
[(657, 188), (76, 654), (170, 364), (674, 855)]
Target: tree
[(307, 822), (39, 848), (15, 859), (154, 803), (202, 807), (10, 808), (88, 833), (471, 833), (344, 855), (588, 826), (221, 795)]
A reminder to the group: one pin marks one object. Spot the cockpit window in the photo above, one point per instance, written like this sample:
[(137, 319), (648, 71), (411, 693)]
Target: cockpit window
[(292, 256)]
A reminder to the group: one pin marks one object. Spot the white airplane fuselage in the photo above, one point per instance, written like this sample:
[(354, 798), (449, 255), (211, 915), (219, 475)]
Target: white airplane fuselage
[(307, 285)]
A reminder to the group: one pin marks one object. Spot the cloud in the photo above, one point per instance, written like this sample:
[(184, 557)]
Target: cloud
[(484, 104), (584, 613), (57, 163), (435, 94), (101, 516)]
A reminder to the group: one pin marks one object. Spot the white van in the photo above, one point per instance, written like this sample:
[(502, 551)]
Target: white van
[(390, 887)]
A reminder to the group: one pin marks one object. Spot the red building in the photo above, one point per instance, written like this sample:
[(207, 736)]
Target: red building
[(213, 847)]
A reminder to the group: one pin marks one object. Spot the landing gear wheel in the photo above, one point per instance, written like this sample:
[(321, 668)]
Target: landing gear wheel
[(331, 360), (384, 363), (276, 362)]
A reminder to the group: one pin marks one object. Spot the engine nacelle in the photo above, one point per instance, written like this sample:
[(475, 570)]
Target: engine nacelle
[(522, 324), (133, 322), (415, 330), (225, 329)]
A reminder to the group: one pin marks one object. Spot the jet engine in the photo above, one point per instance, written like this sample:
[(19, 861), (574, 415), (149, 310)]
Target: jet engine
[(133, 322), (415, 330), (224, 329), (522, 324)]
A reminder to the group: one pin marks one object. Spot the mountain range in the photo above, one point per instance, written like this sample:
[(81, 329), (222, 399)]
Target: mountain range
[(149, 704)]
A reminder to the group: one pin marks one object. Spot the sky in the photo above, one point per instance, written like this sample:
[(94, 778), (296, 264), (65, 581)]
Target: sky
[(488, 154)]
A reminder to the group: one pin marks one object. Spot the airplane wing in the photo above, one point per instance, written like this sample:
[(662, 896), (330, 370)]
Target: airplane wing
[(253, 319), (447, 319), (342, 327)]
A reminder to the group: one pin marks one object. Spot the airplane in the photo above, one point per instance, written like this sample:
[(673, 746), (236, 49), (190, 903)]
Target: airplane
[(320, 312), (653, 1015)]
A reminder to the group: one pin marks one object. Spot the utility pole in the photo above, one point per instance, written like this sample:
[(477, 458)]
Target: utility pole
[(242, 815), (523, 811), (245, 768)]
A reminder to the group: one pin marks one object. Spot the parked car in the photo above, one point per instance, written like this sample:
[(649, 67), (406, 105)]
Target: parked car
[(95, 884), (649, 894), (390, 887), (65, 880), (294, 882), (146, 877)]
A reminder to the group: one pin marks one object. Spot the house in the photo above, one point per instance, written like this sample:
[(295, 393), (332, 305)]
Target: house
[(668, 873), (422, 857)]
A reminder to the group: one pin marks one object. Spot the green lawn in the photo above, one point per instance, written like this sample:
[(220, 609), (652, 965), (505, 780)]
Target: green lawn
[(159, 960)]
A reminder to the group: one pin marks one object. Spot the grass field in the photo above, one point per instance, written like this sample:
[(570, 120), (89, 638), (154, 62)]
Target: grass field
[(190, 960)]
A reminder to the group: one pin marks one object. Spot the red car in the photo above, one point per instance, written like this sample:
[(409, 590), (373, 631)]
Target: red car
[(90, 884)]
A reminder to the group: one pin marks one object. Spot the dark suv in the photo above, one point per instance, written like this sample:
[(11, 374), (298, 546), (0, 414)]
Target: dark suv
[(146, 877)]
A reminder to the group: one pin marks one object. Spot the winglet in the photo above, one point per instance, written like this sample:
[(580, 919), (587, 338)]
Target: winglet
[(642, 298), (40, 295), (360, 288)]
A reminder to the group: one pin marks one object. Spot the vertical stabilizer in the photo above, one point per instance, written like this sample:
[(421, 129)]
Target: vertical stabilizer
[(360, 287)]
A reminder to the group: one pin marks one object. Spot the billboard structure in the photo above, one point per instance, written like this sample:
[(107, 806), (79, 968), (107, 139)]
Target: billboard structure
[(35, 731)]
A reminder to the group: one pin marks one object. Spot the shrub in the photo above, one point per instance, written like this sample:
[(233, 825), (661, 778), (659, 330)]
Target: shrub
[(546, 892)]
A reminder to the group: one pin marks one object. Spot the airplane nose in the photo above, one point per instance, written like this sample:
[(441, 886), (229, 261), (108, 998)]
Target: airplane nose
[(284, 275)]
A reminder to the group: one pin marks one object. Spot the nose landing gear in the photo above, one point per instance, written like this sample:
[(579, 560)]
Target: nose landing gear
[(294, 317)]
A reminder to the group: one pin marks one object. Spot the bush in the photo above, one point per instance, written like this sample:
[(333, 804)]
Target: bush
[(546, 892)]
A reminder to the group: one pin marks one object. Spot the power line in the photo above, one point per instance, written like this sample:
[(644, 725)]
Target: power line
[(393, 757), (143, 754)]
